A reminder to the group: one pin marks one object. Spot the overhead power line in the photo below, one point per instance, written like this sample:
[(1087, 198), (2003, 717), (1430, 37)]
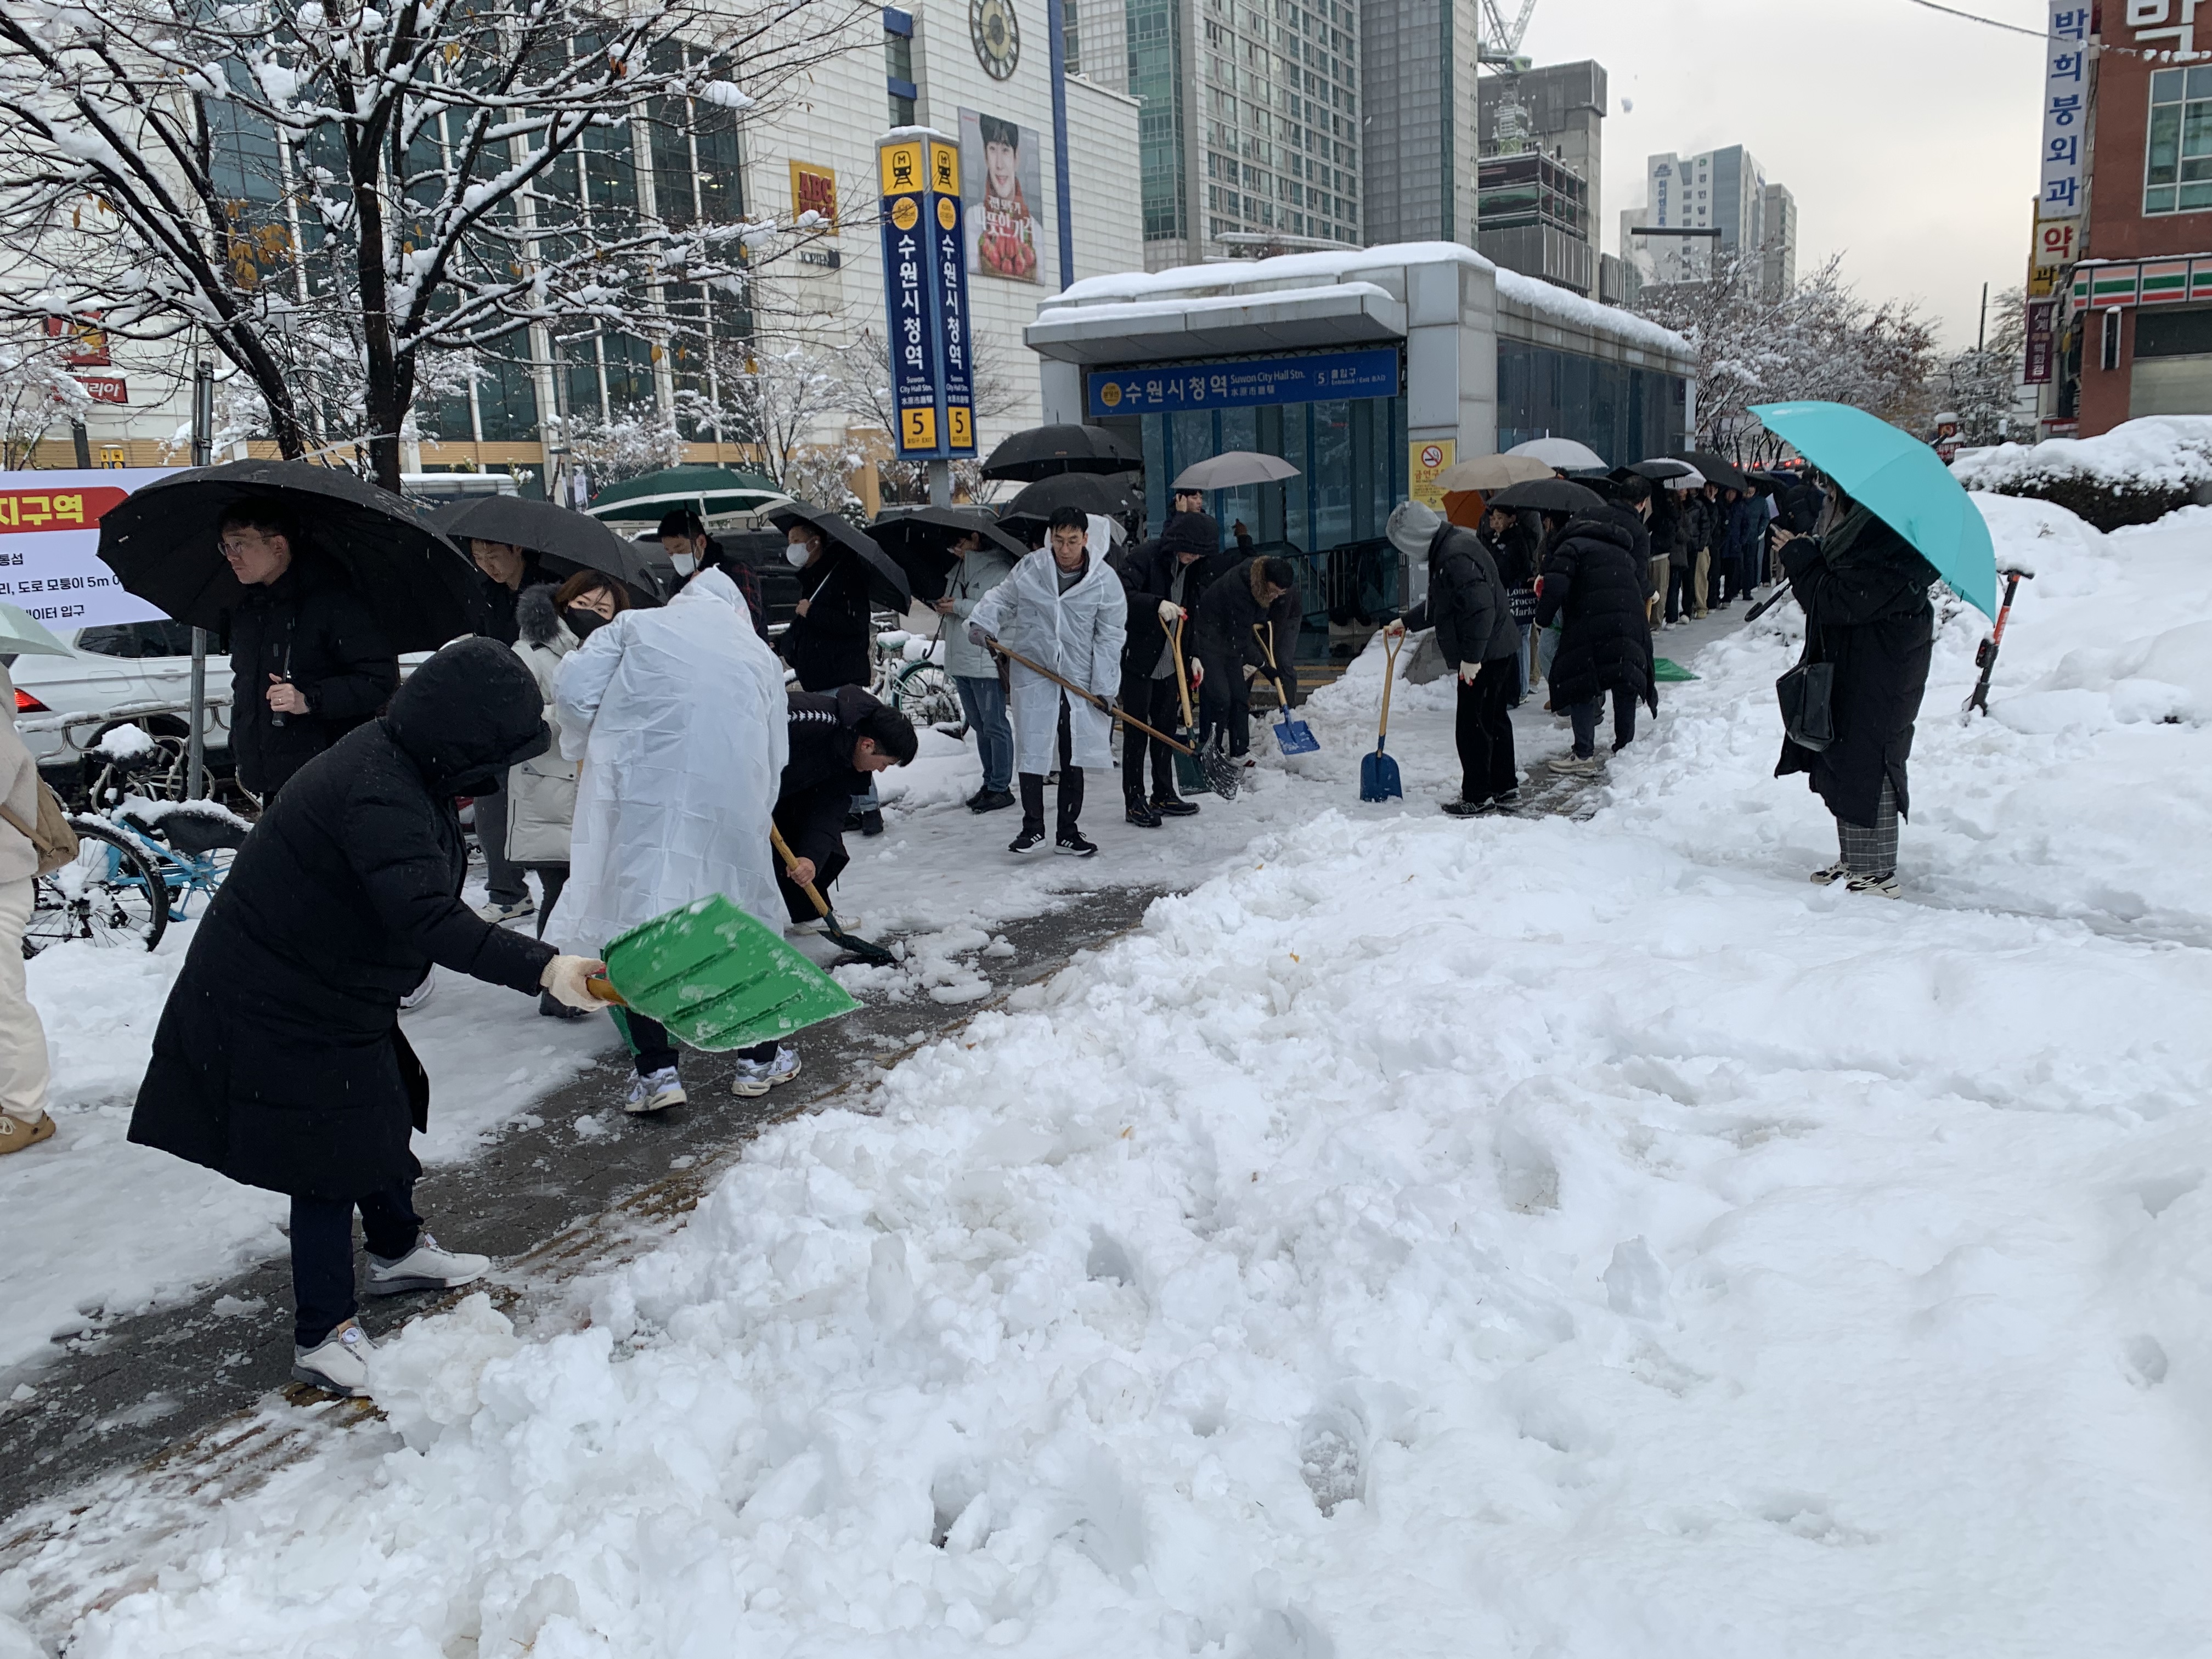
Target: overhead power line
[(1973, 17)]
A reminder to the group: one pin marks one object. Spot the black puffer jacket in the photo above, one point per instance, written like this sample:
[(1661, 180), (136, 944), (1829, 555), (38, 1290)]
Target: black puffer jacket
[(1593, 585), (311, 628), (829, 646), (819, 779), (1226, 618), (1864, 589), (1148, 575), (279, 1060), (500, 600), (1467, 603), (1639, 538)]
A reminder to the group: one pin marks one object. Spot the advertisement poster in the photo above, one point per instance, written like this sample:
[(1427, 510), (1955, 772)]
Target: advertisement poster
[(49, 546), (1002, 193)]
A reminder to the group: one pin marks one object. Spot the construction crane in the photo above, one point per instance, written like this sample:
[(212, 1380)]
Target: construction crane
[(1498, 49)]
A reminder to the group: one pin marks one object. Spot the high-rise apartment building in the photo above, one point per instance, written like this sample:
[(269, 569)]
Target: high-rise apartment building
[(1721, 190), (1249, 129), (1418, 150)]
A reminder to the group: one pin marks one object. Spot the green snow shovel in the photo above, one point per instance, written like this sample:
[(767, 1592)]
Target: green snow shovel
[(1667, 671), (717, 978)]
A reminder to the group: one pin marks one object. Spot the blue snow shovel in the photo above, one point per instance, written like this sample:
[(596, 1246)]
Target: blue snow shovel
[(1292, 737), (1378, 773)]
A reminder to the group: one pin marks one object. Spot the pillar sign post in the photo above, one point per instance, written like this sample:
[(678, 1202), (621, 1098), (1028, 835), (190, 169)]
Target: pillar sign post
[(926, 301)]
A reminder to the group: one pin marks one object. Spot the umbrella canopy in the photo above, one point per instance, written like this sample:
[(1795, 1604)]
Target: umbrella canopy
[(22, 635), (1688, 478), (1716, 469), (1046, 451), (888, 586), (160, 543), (1903, 482), (1234, 467), (1658, 471), (1549, 495), (921, 538), (710, 491), (1084, 492), (565, 542), (1489, 473), (1560, 453)]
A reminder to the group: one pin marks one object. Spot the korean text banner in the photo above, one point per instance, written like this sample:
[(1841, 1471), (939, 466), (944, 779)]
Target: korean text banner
[(949, 250), (1162, 387), (2065, 100), (1004, 190), (49, 546)]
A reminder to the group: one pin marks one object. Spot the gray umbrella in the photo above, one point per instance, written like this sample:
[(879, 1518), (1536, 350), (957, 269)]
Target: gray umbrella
[(1234, 467)]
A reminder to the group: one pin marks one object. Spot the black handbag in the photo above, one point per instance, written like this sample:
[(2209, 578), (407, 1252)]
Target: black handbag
[(1806, 694)]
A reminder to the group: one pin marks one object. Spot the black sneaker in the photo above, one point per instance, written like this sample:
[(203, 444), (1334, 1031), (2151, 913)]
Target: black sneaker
[(1505, 800), (1466, 809), (1141, 815), (1070, 842), (851, 822), (871, 823), (1174, 807), (1028, 842), (990, 800)]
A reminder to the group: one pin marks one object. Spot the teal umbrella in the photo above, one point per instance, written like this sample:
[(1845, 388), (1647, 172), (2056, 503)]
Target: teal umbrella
[(1901, 481)]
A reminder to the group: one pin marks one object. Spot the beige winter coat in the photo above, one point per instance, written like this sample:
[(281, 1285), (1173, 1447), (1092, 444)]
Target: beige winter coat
[(541, 794), (18, 790)]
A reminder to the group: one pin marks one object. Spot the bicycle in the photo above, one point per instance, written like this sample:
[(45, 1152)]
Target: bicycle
[(919, 688), (104, 896)]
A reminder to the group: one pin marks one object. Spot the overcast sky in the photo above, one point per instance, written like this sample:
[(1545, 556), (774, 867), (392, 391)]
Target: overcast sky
[(1908, 138)]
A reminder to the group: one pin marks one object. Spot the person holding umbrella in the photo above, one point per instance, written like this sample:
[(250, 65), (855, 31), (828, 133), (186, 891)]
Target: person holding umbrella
[(279, 1061), (1064, 610), (827, 643), (507, 568), (309, 662), (976, 673), (539, 800)]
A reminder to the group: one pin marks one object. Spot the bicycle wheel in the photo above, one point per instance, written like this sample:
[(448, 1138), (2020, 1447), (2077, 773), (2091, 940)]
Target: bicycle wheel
[(924, 693), (108, 895)]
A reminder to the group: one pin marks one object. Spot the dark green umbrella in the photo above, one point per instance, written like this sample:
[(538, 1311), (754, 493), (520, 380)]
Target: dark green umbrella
[(160, 543), (710, 491)]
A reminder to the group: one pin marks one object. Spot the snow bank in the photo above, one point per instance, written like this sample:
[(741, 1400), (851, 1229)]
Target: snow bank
[(2135, 474)]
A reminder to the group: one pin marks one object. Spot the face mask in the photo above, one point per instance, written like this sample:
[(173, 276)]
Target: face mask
[(583, 622), (796, 554), (683, 562)]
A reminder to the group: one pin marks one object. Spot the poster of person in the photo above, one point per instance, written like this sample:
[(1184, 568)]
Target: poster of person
[(1001, 190)]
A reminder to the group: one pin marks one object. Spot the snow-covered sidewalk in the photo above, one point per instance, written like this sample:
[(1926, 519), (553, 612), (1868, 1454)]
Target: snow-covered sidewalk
[(1424, 1238)]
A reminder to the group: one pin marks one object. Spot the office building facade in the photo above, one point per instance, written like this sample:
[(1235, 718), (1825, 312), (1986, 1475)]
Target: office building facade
[(1720, 191), (1418, 126)]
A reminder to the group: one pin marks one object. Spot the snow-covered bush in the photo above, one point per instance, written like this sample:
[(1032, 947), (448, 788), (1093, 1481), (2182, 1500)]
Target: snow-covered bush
[(2136, 473)]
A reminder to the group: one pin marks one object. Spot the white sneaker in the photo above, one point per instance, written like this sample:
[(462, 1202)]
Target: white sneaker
[(338, 1363), (651, 1093), (421, 993), (758, 1077), (1880, 886), (425, 1267), (524, 906), (1578, 765), (1832, 874)]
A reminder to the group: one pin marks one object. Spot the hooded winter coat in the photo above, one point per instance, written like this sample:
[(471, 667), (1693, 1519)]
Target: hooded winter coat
[(1078, 634), (1865, 590), (1594, 581), (279, 1060), (965, 584), (541, 793), (309, 626), (1148, 578), (1467, 603), (678, 715), (828, 647)]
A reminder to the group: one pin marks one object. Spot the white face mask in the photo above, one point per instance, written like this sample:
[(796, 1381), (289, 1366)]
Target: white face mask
[(683, 562), (798, 553)]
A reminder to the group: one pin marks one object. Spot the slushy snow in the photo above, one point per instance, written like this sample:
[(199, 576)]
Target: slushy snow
[(1425, 1238)]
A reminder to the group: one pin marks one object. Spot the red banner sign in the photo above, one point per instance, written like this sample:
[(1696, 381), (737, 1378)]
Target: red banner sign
[(2042, 342), (106, 388), (22, 510)]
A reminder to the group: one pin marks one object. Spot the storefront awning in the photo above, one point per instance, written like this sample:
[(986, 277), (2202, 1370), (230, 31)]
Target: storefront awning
[(1218, 325)]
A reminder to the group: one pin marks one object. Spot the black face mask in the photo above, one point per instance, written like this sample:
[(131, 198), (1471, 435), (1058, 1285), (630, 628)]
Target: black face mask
[(581, 622)]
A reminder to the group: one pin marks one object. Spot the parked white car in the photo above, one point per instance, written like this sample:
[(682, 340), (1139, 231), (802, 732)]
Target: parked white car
[(141, 673)]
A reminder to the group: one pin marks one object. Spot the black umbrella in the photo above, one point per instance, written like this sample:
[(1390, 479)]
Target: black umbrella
[(1717, 470), (888, 586), (1658, 472), (1549, 495), (1086, 492), (161, 543), (921, 538), (565, 542), (1045, 452)]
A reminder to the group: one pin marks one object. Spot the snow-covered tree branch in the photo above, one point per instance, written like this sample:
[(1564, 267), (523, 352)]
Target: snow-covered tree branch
[(331, 194), (36, 390)]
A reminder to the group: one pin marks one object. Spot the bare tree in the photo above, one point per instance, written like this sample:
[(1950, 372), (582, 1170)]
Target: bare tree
[(36, 390), (332, 193), (1983, 382)]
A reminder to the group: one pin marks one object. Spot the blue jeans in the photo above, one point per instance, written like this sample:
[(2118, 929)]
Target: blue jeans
[(985, 701)]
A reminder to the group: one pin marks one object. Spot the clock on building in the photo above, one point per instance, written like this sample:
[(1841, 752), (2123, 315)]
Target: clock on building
[(997, 37)]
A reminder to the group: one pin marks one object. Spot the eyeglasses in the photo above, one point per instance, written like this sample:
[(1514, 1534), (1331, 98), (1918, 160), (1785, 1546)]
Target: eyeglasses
[(237, 549)]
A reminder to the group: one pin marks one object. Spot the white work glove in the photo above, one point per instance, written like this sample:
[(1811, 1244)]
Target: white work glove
[(564, 978), (1170, 612), (1468, 670), (977, 634)]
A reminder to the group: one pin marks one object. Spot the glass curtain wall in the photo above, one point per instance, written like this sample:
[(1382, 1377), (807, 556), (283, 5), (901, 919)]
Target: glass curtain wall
[(1625, 414)]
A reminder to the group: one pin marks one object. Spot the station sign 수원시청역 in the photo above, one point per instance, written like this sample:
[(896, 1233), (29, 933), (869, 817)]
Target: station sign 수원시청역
[(1162, 388), (49, 546), (925, 295)]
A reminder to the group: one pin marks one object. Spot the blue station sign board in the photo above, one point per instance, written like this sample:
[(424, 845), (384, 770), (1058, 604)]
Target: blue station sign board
[(925, 296), (1313, 377)]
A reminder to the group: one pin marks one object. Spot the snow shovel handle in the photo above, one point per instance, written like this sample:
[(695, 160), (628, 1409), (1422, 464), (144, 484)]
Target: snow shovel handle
[(1260, 631), (603, 987), (1391, 645), (783, 851), (1182, 680), (1093, 698)]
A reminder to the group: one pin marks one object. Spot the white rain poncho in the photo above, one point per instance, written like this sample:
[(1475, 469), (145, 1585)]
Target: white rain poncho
[(1078, 634), (680, 718)]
